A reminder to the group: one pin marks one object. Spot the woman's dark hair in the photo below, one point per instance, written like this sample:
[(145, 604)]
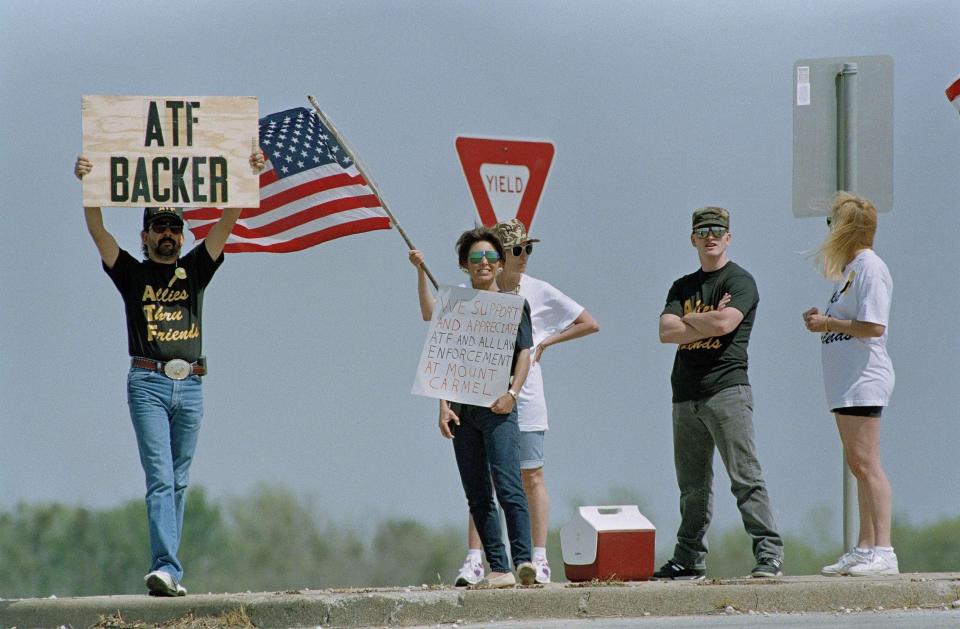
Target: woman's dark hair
[(475, 235)]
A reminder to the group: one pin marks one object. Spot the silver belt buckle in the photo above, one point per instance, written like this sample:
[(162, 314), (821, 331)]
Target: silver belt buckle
[(177, 369)]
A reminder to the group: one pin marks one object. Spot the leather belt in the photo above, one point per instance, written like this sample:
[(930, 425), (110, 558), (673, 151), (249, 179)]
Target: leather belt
[(175, 369)]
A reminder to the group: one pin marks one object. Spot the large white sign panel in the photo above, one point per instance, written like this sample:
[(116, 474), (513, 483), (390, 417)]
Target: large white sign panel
[(184, 151), (468, 353), (815, 132)]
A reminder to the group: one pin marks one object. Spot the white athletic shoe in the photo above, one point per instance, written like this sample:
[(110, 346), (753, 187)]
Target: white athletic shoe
[(543, 570), (880, 564), (471, 573), (846, 561), (162, 583)]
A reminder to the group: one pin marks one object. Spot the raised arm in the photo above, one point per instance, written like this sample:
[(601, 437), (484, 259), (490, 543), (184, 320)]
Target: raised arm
[(217, 236), (423, 289), (106, 244)]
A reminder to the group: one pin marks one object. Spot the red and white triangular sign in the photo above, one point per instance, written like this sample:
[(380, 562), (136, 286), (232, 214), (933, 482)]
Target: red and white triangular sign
[(505, 177)]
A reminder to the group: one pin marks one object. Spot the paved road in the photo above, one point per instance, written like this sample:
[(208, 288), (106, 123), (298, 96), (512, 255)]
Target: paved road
[(897, 619)]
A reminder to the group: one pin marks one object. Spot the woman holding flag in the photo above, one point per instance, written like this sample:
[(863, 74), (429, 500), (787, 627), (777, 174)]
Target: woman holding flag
[(486, 440)]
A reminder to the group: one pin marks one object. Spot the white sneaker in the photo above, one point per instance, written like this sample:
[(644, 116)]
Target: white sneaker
[(162, 583), (471, 573), (880, 564), (543, 570), (846, 561)]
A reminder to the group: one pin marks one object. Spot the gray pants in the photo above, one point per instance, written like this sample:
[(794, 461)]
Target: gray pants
[(725, 421)]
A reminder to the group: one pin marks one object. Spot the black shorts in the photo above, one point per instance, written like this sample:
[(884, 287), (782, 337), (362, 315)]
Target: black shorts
[(859, 411)]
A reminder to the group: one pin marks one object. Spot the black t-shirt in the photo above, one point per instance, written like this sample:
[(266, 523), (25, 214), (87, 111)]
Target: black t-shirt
[(164, 312), (524, 335), (705, 367)]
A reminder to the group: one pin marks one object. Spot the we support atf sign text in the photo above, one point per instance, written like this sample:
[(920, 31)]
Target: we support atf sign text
[(191, 151), (468, 354)]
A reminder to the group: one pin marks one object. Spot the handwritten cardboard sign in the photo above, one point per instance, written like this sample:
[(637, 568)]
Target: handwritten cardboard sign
[(468, 354), (184, 151)]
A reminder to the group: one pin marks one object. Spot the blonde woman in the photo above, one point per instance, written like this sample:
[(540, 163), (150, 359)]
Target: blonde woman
[(857, 372)]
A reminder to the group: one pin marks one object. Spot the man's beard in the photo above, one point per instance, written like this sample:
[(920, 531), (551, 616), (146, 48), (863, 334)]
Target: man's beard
[(166, 249)]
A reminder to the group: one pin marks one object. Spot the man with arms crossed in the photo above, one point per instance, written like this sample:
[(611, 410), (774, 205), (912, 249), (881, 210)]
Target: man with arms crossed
[(709, 315)]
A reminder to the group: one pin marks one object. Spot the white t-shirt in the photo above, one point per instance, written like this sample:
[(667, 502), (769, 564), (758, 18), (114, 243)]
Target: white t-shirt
[(858, 372), (550, 312)]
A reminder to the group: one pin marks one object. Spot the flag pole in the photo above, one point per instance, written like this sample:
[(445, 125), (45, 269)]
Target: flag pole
[(373, 186)]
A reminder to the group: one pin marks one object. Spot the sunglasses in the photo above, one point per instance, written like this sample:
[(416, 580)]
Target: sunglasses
[(516, 250), (477, 256), (713, 230), (159, 228)]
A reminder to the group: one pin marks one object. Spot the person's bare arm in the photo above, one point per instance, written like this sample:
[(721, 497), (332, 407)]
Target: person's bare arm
[(106, 244), (673, 329), (583, 325), (817, 322), (217, 237), (423, 290)]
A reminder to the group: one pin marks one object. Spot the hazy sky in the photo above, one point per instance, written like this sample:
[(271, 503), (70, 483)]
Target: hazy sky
[(655, 108)]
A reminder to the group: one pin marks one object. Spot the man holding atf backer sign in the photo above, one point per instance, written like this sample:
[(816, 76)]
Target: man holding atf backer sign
[(475, 360), (166, 153)]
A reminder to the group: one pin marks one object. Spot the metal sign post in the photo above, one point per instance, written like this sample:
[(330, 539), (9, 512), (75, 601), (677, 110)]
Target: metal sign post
[(843, 140), (847, 180)]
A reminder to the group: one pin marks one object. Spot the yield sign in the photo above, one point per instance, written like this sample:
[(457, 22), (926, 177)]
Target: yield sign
[(505, 177)]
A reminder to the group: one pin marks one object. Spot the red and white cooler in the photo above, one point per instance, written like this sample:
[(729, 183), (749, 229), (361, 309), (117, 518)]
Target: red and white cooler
[(610, 542)]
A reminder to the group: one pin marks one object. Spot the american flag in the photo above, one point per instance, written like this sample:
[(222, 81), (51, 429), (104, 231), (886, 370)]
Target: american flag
[(310, 191)]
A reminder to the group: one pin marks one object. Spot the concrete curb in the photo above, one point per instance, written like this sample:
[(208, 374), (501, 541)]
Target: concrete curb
[(422, 606)]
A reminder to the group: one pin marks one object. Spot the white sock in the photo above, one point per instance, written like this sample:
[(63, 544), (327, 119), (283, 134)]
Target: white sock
[(539, 553), (475, 555), (862, 551), (883, 550)]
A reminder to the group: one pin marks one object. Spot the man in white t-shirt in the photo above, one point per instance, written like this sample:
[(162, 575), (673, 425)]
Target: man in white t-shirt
[(556, 318)]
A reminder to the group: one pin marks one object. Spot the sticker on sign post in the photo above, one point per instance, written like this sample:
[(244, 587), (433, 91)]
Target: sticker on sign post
[(505, 177)]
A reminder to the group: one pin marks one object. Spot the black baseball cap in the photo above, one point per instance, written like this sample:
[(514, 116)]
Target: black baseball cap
[(151, 214)]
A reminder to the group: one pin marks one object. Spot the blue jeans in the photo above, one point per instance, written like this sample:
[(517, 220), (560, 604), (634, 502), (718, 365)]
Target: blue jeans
[(488, 445), (722, 422), (166, 417)]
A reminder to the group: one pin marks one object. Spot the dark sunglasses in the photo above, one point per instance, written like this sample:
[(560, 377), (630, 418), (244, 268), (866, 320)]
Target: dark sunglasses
[(159, 228), (476, 256), (714, 230), (516, 250)]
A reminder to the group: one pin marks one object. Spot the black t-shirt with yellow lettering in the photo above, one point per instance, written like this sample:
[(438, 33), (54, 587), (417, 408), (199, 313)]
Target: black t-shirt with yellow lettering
[(705, 367), (163, 311)]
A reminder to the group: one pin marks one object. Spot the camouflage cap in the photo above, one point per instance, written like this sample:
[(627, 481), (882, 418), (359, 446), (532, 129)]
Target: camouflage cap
[(151, 214), (512, 233), (706, 216)]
